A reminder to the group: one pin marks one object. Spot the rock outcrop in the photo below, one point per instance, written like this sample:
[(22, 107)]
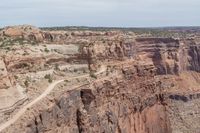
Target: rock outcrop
[(147, 84), (115, 105)]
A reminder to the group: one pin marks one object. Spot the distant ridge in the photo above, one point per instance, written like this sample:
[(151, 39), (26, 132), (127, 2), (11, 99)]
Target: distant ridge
[(170, 28)]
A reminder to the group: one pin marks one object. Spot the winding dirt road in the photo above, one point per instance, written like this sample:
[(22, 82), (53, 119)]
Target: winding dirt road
[(43, 95), (23, 110)]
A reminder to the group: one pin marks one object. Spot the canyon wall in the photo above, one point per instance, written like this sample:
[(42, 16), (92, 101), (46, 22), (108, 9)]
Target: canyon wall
[(150, 85), (123, 104)]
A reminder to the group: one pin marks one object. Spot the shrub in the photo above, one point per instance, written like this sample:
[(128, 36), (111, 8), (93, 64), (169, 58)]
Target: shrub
[(48, 76), (46, 50), (92, 74), (57, 67), (26, 83), (16, 77), (75, 70), (84, 71), (50, 80), (66, 80)]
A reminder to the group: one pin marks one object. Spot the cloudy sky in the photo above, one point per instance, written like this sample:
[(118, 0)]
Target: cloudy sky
[(109, 13)]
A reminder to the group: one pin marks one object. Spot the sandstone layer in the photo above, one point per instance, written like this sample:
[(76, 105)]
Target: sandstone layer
[(109, 82)]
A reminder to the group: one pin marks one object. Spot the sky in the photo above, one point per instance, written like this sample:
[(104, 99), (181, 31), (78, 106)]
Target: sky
[(106, 13)]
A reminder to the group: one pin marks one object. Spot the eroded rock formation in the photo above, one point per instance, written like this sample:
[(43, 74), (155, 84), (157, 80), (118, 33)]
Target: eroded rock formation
[(146, 84)]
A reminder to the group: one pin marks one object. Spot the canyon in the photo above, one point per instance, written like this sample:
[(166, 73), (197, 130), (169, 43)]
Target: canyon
[(98, 81)]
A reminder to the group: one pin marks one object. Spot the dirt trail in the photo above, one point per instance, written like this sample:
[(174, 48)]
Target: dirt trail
[(43, 95)]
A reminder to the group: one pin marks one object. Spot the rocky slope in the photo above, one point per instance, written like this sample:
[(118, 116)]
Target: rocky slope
[(149, 85)]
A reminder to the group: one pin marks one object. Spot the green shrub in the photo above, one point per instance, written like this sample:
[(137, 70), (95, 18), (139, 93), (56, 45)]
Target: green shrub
[(26, 83), (46, 50), (50, 80), (66, 81), (16, 77), (92, 74), (48, 76)]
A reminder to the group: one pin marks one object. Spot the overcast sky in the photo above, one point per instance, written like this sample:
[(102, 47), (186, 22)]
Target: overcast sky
[(109, 13)]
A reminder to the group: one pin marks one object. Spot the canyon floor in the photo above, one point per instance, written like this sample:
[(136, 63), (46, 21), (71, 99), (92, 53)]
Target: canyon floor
[(99, 80)]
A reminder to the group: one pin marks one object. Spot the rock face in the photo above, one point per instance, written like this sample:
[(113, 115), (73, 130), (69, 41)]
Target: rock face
[(149, 85), (24, 31), (107, 106)]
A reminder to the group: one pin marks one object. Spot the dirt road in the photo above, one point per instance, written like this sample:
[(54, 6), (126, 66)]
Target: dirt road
[(43, 95)]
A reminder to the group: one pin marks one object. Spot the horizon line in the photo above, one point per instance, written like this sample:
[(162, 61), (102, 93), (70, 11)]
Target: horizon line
[(109, 27)]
